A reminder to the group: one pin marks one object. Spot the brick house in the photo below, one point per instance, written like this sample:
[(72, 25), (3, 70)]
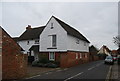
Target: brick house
[(14, 63), (56, 41)]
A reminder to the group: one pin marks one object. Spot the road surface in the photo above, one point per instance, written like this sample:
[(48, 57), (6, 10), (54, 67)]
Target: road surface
[(91, 71)]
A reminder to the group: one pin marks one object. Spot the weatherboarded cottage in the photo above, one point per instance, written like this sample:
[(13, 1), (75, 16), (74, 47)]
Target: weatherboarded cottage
[(56, 41)]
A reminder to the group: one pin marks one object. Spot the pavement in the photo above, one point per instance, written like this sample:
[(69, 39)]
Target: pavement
[(115, 72), (96, 71)]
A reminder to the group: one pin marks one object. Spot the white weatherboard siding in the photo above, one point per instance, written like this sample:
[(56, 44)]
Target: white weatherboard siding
[(46, 39), (72, 45), (26, 47)]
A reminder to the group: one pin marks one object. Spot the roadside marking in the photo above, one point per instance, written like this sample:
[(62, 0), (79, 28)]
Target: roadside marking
[(109, 73), (66, 69), (41, 73), (74, 76), (91, 68), (33, 77), (49, 73), (58, 70)]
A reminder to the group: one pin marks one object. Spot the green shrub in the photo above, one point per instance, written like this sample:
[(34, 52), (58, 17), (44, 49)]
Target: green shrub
[(44, 60), (35, 63)]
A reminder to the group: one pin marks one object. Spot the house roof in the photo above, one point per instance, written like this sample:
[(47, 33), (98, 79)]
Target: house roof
[(4, 32), (35, 48), (71, 31), (93, 49), (15, 38), (32, 33)]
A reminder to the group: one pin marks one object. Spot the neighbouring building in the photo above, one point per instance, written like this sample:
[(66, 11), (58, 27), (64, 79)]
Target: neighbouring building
[(93, 53), (14, 63), (29, 41), (114, 53), (104, 51), (56, 41)]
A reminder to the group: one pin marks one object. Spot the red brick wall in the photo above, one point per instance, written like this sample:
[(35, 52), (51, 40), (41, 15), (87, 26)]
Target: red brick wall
[(14, 63), (46, 55), (93, 56), (68, 59)]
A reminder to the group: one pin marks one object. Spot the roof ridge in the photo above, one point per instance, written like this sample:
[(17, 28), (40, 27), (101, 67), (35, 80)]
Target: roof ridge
[(38, 27)]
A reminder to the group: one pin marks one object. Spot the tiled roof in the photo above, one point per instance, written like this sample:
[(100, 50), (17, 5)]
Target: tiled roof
[(71, 31), (32, 33)]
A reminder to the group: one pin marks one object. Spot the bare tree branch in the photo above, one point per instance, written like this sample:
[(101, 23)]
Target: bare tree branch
[(117, 41)]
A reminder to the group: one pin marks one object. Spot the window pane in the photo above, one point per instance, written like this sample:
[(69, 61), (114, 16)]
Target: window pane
[(54, 40), (52, 56)]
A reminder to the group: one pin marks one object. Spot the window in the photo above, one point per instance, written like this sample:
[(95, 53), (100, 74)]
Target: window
[(37, 41), (77, 41), (52, 26), (76, 55), (86, 55), (53, 40), (84, 43), (27, 42), (52, 56), (80, 55)]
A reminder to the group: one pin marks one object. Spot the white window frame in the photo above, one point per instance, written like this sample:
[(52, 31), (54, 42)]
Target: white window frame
[(52, 25), (53, 56), (86, 55), (76, 55), (36, 41), (77, 41), (54, 41), (28, 42), (80, 55)]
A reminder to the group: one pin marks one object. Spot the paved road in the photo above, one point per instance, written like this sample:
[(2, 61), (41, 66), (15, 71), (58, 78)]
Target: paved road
[(94, 70)]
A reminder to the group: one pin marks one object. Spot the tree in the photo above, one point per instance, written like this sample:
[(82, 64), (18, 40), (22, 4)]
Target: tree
[(117, 41)]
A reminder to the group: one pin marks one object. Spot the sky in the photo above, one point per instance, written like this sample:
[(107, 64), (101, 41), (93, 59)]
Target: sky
[(97, 21)]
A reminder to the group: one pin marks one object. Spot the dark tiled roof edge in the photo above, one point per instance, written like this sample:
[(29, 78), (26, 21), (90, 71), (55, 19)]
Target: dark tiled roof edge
[(32, 33), (70, 30)]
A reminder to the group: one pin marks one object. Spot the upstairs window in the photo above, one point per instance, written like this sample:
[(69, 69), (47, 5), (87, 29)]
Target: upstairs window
[(84, 43), (37, 41), (52, 26), (54, 41), (27, 42), (77, 41)]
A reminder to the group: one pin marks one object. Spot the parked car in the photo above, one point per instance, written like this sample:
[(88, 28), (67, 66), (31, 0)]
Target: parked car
[(109, 60)]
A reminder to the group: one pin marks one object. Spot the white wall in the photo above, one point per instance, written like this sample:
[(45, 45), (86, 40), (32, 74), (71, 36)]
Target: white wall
[(26, 47), (72, 45), (45, 39)]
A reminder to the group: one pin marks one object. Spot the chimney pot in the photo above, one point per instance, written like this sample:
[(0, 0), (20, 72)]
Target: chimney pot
[(29, 27)]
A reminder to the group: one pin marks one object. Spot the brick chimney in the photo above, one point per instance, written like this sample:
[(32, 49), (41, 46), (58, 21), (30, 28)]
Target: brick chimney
[(29, 27)]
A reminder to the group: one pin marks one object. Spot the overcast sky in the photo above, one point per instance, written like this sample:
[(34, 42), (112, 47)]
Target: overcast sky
[(97, 21)]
